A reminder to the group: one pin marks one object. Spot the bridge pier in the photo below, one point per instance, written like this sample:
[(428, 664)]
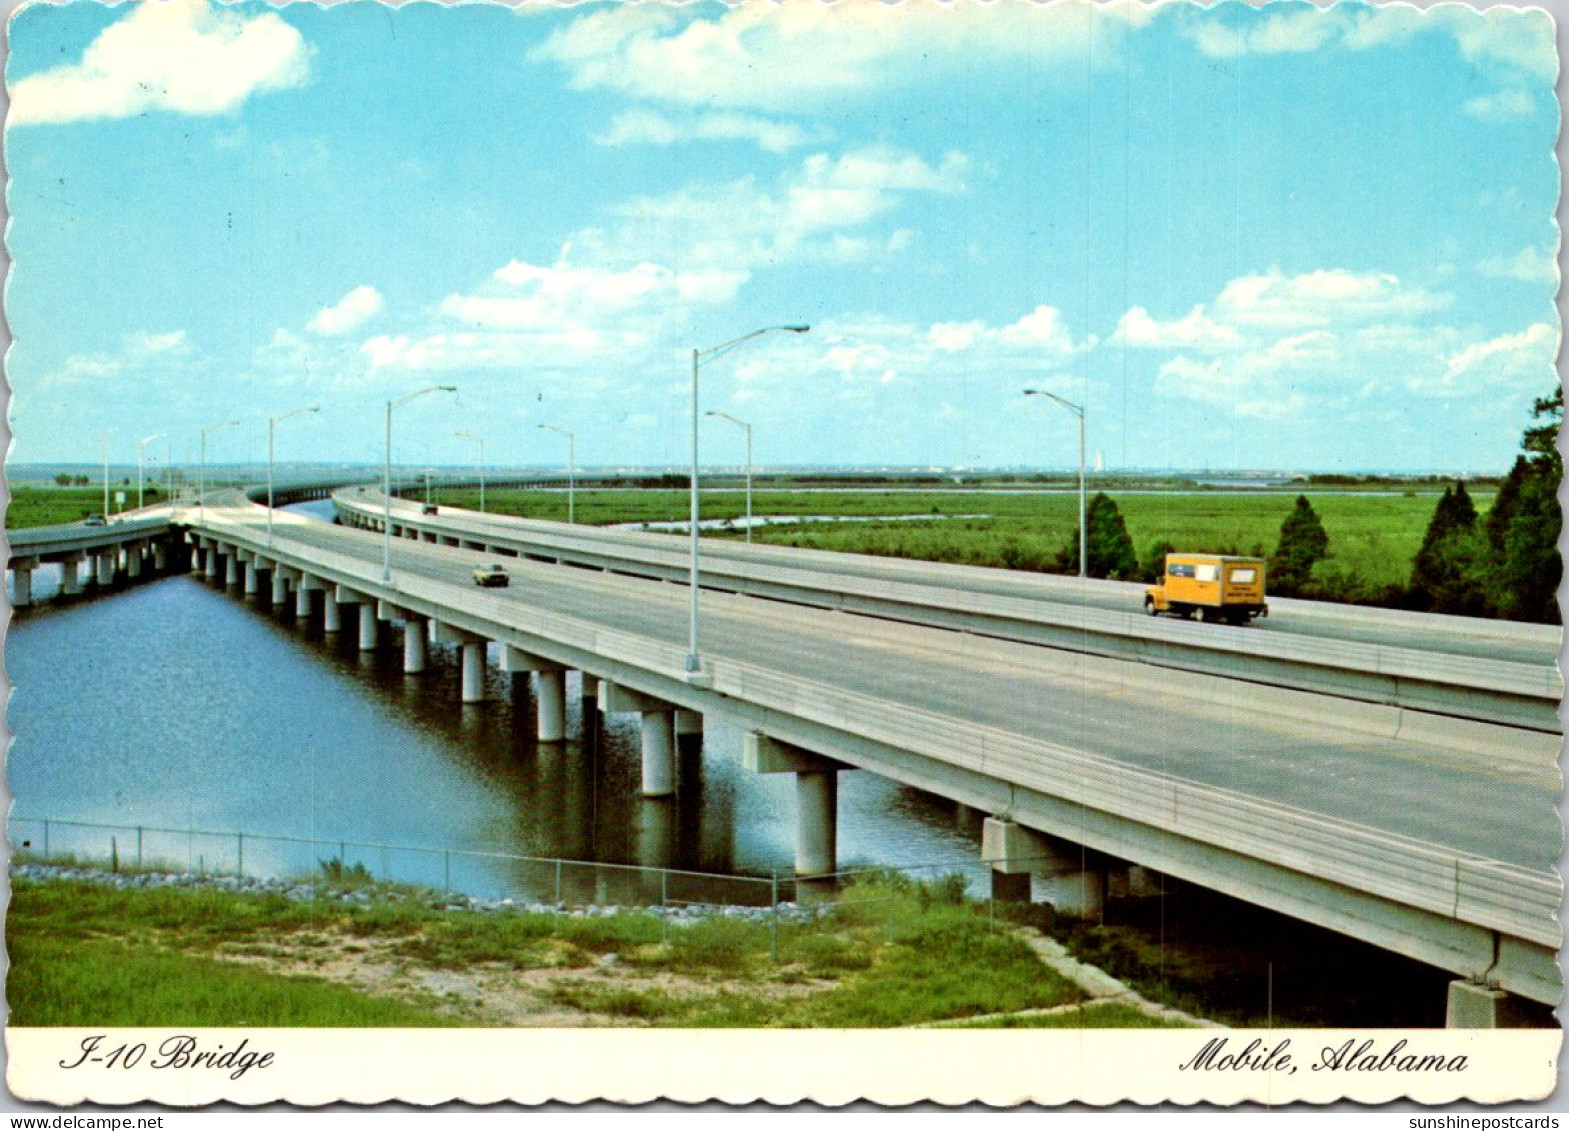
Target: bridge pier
[(22, 581), (252, 585), (550, 699), (1477, 1005), (133, 561), (280, 586), (688, 724), (70, 578), (209, 559), (331, 613), (160, 556), (474, 671), (367, 626), (1078, 876), (816, 798), (415, 632), (658, 734), (103, 563), (231, 571)]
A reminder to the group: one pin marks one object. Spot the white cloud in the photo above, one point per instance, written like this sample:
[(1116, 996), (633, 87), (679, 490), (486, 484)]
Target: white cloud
[(349, 313), (1271, 345), (145, 344), (649, 127), (1522, 361), (1139, 330), (781, 56), (1529, 265), (180, 56), (1508, 43), (1501, 106)]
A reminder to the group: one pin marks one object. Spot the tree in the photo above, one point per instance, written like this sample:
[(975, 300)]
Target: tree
[(1506, 504), (1111, 552), (62, 480), (1448, 573), (1155, 559), (1525, 585), (1303, 543)]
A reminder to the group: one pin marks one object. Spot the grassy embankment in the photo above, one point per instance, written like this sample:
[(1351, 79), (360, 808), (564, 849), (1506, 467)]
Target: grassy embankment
[(47, 506), (892, 953), (1372, 538)]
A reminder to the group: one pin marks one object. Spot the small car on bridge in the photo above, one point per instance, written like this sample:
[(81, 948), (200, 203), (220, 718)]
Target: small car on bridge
[(492, 576)]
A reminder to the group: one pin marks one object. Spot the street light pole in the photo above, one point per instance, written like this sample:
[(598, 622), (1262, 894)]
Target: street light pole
[(694, 662), (103, 448), (271, 424), (201, 498), (386, 482), (1077, 410), (748, 427), (571, 465), (141, 459), (475, 436)]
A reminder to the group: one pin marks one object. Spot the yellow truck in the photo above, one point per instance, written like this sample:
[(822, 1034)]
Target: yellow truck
[(1218, 587)]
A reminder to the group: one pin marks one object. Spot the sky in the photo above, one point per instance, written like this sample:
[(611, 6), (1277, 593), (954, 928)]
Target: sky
[(1281, 238)]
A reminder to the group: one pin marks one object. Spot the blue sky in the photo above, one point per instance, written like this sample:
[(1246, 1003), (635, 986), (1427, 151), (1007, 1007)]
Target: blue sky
[(1278, 238)]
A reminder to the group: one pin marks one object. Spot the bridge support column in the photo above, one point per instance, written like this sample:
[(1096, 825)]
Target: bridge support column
[(104, 564), (1476, 1005), (210, 561), (550, 699), (816, 798), (474, 671), (1079, 878), (302, 600), (160, 556), (280, 586), (414, 651), (367, 626), (231, 572), (22, 581), (133, 561), (688, 724), (70, 577), (331, 613), (658, 730), (251, 582)]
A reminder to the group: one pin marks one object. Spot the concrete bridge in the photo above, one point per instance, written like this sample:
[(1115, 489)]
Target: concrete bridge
[(1433, 835)]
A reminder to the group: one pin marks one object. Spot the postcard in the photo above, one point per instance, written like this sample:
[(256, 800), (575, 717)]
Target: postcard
[(788, 551)]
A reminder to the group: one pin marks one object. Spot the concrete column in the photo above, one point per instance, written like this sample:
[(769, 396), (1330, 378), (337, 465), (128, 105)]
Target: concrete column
[(280, 586), (1010, 887), (688, 723), (817, 816), (367, 626), (1078, 877), (331, 613), (816, 794), (160, 556), (22, 582), (231, 573), (70, 579), (551, 705), (1476, 1005), (473, 671), (659, 759), (414, 644), (133, 562), (210, 562), (104, 563), (252, 584), (302, 600)]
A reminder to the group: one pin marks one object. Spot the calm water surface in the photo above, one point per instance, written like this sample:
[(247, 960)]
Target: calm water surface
[(173, 704)]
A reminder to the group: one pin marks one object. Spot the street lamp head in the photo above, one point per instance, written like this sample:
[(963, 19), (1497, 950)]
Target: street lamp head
[(796, 329)]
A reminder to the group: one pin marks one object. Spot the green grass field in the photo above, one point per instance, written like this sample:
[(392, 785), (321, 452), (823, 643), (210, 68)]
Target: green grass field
[(892, 953), (46, 506), (1373, 538)]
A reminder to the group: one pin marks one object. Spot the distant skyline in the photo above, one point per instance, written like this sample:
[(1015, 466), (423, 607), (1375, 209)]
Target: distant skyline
[(1285, 238)]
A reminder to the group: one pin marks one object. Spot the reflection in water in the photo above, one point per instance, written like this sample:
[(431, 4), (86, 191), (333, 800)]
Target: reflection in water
[(176, 704)]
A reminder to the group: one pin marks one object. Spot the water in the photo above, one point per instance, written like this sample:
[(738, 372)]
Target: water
[(173, 704)]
